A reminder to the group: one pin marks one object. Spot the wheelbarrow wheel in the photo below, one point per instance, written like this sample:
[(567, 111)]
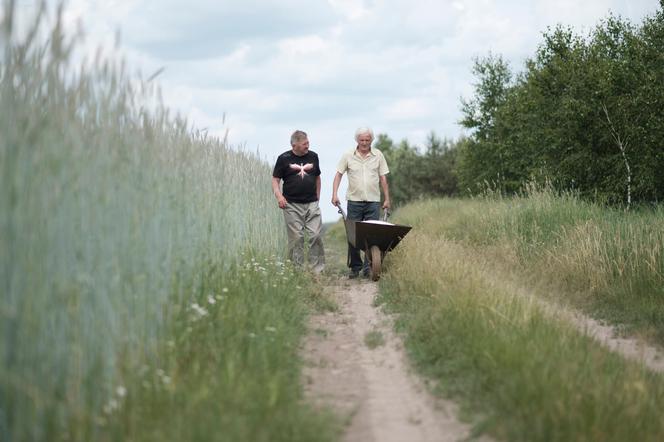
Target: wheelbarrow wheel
[(376, 259)]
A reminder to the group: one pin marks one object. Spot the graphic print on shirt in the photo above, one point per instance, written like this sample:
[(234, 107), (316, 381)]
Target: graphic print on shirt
[(302, 168)]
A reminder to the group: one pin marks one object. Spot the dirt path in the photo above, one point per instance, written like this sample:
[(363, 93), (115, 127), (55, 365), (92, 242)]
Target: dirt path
[(629, 347), (373, 389)]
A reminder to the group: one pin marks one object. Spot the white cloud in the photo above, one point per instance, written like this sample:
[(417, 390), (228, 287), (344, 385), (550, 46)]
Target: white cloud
[(205, 29), (351, 9), (407, 109), (301, 46)]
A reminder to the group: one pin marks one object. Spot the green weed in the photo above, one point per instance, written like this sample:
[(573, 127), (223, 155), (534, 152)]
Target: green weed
[(374, 339)]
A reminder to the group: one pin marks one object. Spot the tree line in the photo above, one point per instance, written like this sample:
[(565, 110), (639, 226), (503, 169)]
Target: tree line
[(419, 174), (586, 114)]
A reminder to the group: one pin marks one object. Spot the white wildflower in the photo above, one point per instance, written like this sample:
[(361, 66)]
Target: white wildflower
[(200, 311), (111, 406), (211, 300), (121, 391)]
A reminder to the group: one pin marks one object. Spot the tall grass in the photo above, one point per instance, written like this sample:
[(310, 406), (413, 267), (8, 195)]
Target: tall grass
[(113, 216), (520, 372), (607, 261)]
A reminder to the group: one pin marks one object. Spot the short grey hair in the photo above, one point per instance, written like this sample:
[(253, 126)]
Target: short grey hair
[(363, 131), (298, 135)]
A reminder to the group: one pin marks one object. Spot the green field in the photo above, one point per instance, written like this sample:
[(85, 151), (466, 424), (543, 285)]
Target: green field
[(138, 300)]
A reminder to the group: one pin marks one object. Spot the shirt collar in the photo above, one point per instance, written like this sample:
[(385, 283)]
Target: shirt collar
[(371, 153)]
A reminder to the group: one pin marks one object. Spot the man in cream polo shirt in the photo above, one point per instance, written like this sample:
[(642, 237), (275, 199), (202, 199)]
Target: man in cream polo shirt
[(367, 169)]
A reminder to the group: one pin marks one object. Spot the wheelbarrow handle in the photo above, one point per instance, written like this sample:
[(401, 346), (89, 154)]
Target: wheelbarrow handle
[(341, 211)]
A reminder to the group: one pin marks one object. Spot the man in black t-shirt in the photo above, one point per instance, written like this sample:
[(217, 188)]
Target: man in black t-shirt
[(300, 171)]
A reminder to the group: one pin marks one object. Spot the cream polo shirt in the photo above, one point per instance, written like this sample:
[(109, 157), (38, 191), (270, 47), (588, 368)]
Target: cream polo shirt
[(363, 174)]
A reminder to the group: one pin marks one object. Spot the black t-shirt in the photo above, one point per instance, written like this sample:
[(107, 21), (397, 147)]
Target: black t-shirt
[(299, 175)]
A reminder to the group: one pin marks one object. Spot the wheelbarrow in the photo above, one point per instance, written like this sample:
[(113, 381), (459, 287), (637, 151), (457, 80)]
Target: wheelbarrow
[(376, 238)]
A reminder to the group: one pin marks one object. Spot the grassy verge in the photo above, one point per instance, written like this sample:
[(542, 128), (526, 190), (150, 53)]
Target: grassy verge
[(520, 373), (228, 368)]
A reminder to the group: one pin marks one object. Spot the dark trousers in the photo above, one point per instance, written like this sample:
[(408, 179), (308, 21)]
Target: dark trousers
[(360, 211)]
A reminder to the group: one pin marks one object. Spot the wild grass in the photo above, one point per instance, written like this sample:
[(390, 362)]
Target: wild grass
[(520, 372), (228, 366), (374, 339), (606, 261), (116, 218)]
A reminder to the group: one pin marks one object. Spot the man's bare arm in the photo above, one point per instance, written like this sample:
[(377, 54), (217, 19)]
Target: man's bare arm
[(276, 188), (318, 187), (335, 188), (386, 192)]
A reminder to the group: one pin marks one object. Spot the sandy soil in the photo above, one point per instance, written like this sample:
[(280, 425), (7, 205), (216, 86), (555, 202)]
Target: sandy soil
[(375, 390), (628, 347)]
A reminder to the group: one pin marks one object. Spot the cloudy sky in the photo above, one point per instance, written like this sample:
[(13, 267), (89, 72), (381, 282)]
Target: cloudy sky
[(325, 66)]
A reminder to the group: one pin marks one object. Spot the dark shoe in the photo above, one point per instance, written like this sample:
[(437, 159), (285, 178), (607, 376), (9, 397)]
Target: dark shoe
[(353, 274), (366, 274)]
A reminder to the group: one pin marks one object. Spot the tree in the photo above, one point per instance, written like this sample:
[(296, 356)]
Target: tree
[(416, 175), (562, 118), (480, 160), (438, 164), (490, 92)]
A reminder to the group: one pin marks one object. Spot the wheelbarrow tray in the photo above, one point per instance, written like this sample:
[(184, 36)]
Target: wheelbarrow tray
[(364, 234)]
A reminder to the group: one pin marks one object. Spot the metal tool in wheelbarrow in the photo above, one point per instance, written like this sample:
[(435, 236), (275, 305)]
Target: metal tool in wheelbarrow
[(376, 238)]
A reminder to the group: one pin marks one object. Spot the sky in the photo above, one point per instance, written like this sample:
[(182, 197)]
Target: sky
[(258, 70)]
